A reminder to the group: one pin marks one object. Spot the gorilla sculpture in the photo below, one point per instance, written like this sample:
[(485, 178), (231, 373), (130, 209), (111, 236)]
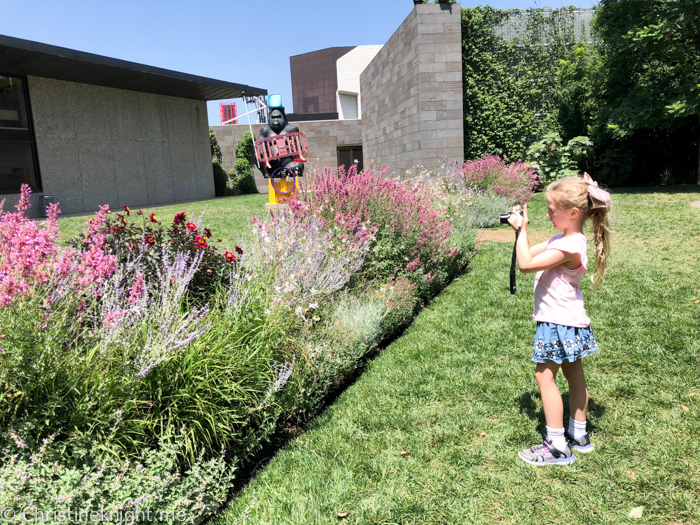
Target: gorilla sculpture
[(278, 125)]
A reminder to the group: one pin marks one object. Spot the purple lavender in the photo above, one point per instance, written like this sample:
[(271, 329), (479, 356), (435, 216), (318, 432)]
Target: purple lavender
[(283, 372)]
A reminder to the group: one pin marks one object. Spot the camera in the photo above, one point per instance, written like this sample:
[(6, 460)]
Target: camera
[(505, 216)]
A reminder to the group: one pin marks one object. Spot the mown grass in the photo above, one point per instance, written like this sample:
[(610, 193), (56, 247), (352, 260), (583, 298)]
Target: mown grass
[(430, 432), (226, 217)]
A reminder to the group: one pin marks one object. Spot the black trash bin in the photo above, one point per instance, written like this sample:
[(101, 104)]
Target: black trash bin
[(44, 201)]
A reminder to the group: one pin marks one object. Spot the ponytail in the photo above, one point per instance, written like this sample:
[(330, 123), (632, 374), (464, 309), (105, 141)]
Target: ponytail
[(601, 240)]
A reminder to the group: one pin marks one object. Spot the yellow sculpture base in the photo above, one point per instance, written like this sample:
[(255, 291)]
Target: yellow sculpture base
[(284, 186)]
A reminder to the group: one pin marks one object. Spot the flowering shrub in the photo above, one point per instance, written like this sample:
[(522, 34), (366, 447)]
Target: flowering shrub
[(145, 238), (29, 256), (411, 233), (516, 181), (302, 258), (103, 340)]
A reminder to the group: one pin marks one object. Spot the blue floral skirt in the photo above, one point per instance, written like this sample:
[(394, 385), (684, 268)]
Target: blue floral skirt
[(556, 342)]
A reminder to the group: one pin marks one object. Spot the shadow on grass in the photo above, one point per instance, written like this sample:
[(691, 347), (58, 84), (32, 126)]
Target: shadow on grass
[(528, 405)]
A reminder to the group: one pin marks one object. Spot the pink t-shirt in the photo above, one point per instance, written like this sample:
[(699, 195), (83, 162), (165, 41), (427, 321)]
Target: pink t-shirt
[(558, 297)]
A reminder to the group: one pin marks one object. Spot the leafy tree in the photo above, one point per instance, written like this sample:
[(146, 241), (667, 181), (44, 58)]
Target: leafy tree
[(652, 64), (580, 77)]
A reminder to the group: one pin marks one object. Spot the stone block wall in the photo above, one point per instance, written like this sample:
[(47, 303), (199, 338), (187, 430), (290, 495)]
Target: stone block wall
[(322, 138), (412, 93), (99, 145)]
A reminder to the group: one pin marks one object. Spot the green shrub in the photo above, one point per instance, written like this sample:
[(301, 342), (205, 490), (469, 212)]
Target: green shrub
[(50, 486), (231, 184), (244, 147), (220, 179), (245, 181), (485, 209), (553, 160)]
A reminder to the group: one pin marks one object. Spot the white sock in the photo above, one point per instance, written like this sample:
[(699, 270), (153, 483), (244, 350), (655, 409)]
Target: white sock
[(577, 429), (556, 436)]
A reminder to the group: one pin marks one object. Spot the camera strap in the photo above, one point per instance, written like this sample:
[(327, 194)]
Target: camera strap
[(512, 264)]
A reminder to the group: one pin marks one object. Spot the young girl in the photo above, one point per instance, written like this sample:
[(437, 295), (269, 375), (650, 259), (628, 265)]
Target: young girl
[(563, 334)]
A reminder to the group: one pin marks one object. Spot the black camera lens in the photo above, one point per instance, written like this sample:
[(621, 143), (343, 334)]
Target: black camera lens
[(504, 217)]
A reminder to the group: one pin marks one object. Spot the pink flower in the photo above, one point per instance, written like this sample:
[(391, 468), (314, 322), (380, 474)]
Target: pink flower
[(137, 289)]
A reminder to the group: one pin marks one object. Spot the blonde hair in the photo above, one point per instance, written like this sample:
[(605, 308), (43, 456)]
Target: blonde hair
[(572, 192)]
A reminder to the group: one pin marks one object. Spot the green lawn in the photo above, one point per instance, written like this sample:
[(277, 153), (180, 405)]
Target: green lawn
[(430, 432), (226, 217)]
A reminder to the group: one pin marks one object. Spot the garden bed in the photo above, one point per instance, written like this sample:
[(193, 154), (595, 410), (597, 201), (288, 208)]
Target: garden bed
[(149, 360)]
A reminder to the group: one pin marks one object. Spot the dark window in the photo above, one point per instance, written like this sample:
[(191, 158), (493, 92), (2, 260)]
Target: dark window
[(349, 155), (17, 151)]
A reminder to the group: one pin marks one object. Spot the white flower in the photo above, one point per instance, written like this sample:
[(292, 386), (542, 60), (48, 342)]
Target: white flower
[(267, 311), (313, 305)]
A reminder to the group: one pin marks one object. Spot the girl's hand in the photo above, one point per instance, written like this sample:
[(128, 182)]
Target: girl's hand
[(515, 216)]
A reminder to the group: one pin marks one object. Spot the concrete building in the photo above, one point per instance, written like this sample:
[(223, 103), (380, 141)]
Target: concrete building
[(349, 68), (94, 130), (315, 83), (407, 93)]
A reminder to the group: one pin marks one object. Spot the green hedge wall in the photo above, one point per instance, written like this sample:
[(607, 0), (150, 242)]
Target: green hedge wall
[(548, 82)]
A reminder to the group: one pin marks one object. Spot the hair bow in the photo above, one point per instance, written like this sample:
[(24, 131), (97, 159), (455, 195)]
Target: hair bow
[(599, 197)]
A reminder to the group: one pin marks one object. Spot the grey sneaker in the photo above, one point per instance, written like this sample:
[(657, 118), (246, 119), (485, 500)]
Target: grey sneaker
[(582, 445), (546, 454)]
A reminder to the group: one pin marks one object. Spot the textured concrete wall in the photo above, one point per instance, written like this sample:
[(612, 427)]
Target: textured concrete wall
[(322, 138), (99, 145), (412, 92)]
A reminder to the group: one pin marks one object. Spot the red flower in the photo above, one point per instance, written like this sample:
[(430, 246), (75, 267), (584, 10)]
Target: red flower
[(200, 242), (153, 217), (139, 212), (127, 210), (180, 218), (123, 219), (207, 233), (229, 256), (191, 226), (149, 239), (239, 251)]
